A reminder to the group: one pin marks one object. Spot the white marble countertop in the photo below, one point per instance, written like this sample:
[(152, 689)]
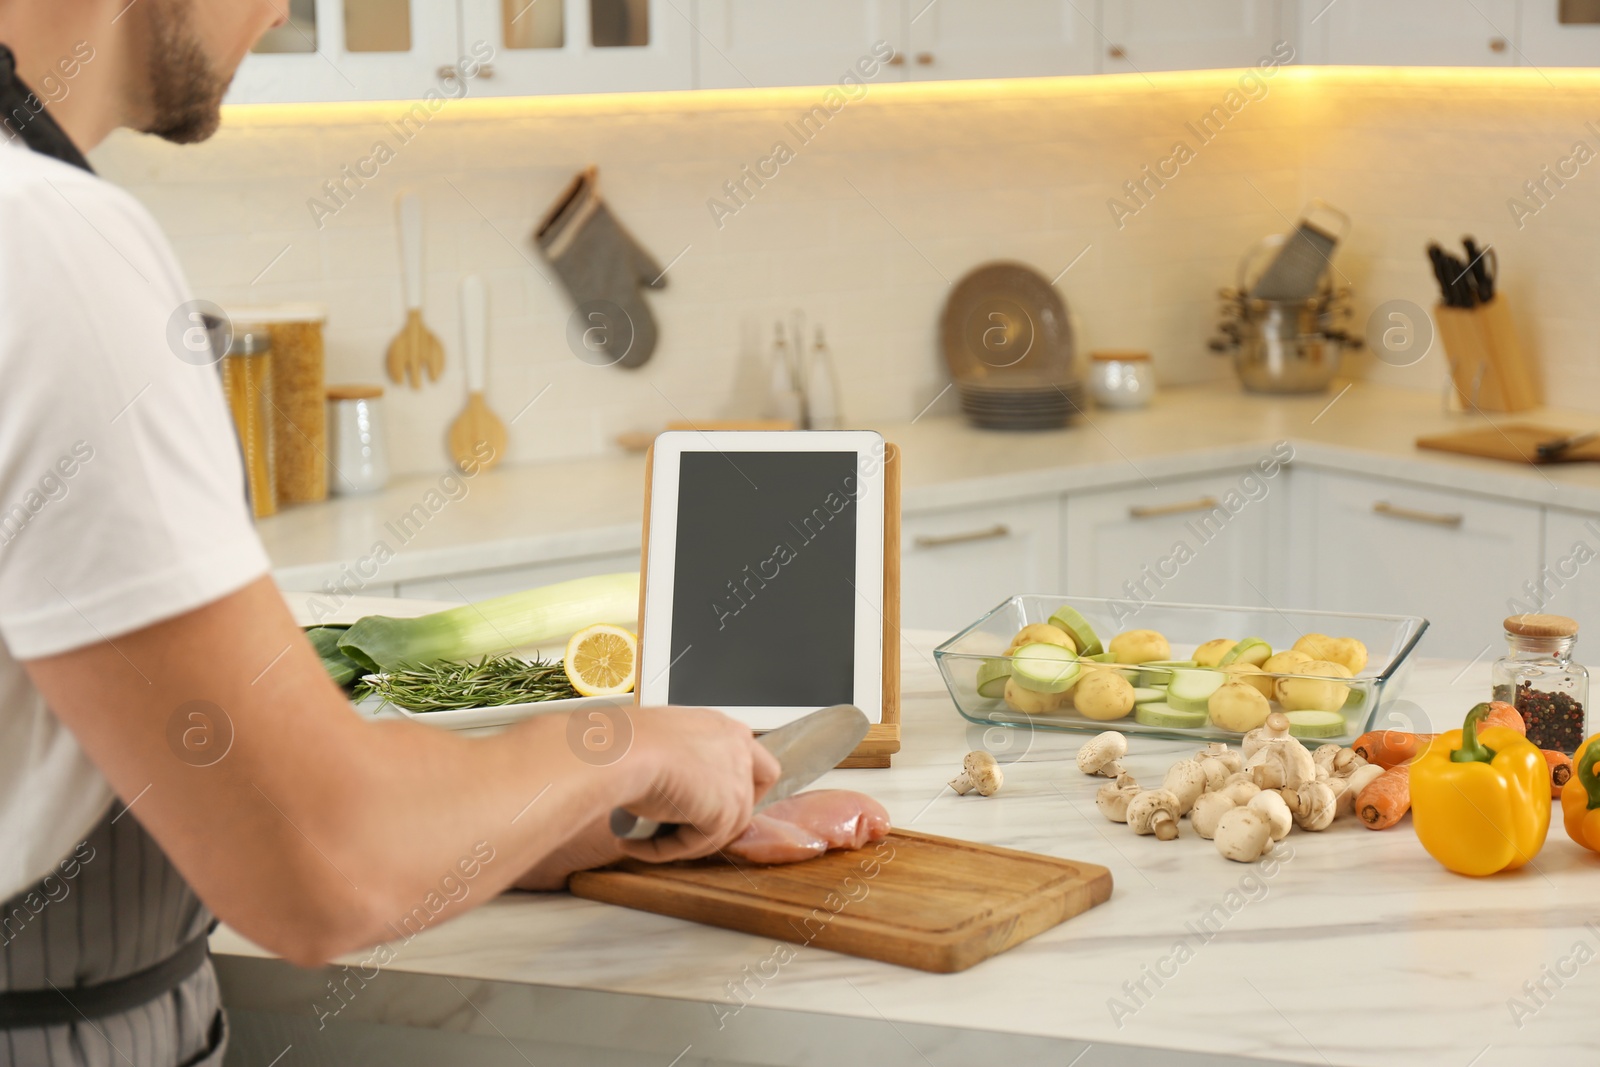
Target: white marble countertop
[(1357, 949), (520, 515)]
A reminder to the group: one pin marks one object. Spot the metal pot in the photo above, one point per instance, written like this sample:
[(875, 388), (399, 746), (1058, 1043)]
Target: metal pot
[(1285, 346)]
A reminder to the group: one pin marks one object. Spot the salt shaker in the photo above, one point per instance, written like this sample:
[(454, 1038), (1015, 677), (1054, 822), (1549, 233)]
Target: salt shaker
[(356, 451), (1538, 677)]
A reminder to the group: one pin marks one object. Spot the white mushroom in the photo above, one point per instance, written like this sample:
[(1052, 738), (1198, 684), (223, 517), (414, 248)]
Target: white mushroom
[(980, 772), (1347, 762), (1219, 751), (1324, 756), (1359, 779), (1316, 806), (1186, 781), (1112, 798), (1216, 773), (1207, 811), (1154, 811), (1271, 805), (1280, 762), (1243, 835), (1101, 753), (1276, 726), (1239, 788)]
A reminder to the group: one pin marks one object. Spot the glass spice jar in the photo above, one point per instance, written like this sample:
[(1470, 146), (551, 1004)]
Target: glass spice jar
[(1538, 677)]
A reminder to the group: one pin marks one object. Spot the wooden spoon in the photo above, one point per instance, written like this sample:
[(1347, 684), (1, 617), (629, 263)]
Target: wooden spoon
[(415, 349), (477, 437)]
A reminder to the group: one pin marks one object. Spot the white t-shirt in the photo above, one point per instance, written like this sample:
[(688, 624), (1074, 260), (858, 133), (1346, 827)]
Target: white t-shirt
[(121, 488)]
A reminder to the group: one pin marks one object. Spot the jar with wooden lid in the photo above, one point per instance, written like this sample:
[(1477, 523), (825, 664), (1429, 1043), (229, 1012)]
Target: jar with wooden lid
[(247, 383), (1121, 378), (356, 456), (1538, 676)]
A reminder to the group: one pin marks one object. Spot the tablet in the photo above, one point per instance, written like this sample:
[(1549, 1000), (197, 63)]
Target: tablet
[(763, 591)]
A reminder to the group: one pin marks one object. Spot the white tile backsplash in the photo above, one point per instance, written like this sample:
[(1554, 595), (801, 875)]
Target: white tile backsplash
[(902, 193)]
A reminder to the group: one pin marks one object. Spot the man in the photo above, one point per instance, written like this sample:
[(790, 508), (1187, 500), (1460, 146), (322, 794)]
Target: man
[(132, 586)]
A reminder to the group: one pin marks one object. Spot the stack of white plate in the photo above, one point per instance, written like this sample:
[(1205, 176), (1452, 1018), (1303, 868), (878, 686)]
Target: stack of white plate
[(1008, 344)]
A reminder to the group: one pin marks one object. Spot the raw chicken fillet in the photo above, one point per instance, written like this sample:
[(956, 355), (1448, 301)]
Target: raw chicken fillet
[(809, 824)]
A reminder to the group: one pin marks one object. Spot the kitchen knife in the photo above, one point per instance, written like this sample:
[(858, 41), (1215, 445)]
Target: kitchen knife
[(805, 749), (1485, 264), (1559, 447)]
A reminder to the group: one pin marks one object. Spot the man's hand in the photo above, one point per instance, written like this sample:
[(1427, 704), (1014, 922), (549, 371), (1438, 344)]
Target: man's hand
[(706, 774)]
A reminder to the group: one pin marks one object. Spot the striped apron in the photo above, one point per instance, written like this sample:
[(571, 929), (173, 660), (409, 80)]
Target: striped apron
[(104, 961)]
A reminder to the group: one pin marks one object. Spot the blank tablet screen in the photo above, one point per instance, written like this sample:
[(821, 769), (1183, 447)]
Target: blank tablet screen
[(763, 596)]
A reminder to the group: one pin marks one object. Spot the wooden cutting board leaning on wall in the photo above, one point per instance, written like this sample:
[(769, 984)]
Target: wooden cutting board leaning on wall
[(916, 900)]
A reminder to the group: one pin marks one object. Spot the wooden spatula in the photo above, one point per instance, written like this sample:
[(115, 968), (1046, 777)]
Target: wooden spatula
[(477, 437), (415, 350)]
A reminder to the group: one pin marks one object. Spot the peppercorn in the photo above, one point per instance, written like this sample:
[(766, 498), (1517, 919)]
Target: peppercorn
[(1554, 720)]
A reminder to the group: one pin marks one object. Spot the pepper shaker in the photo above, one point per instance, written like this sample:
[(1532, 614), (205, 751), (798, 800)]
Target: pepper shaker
[(1538, 677)]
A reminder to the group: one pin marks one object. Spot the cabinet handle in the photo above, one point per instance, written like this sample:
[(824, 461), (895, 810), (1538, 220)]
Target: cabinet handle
[(897, 60), (1497, 44), (448, 73), (1116, 51), (994, 532), (1154, 511), (924, 59), (1436, 518)]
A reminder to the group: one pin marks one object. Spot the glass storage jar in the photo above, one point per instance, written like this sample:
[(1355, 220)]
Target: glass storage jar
[(247, 383), (1537, 675)]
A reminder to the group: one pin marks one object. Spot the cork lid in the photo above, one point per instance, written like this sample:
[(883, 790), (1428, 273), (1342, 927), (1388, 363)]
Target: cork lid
[(1119, 355), (354, 392), (1541, 625)]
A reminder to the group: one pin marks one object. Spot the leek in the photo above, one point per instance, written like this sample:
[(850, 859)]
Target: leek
[(341, 668), (492, 627)]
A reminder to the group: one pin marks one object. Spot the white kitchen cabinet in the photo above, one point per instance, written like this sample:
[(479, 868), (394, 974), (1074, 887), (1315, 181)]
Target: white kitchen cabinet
[(796, 42), (1544, 40), (481, 585), (1467, 33), (1190, 541), (951, 39), (551, 47), (1146, 35), (1569, 580), (956, 564), (352, 50), (1387, 547)]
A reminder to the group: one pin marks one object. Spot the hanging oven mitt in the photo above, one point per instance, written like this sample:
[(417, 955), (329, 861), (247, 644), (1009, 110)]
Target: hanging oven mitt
[(602, 268)]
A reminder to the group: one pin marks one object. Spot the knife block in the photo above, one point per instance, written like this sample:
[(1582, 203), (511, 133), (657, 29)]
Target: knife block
[(883, 737), (1487, 366)]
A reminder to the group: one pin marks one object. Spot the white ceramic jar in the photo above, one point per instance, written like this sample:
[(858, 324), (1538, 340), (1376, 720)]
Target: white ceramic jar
[(356, 453), (1120, 378)]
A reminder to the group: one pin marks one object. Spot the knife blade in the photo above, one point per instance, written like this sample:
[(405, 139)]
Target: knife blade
[(805, 749)]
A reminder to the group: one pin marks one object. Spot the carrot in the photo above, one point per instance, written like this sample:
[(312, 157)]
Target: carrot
[(1560, 770), (1386, 799), (1390, 748)]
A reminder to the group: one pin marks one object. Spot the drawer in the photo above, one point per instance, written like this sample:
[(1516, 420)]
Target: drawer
[(1383, 546), (957, 564), (473, 586)]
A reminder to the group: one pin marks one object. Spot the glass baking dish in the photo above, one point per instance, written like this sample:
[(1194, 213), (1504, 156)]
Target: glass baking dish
[(1389, 640)]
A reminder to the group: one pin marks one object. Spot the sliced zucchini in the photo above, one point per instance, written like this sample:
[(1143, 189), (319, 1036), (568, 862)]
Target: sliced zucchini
[(1148, 695), (1168, 717), (1251, 650), (1315, 723), (992, 675), (1190, 690), (1044, 668), (1070, 620)]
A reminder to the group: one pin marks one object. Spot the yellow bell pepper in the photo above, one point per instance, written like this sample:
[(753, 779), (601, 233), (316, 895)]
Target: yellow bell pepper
[(1480, 797), (1580, 797)]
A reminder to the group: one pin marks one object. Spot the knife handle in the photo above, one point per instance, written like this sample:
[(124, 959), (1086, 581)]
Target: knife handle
[(630, 827)]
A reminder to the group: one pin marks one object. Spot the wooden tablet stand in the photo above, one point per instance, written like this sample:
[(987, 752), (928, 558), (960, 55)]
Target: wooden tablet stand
[(883, 739)]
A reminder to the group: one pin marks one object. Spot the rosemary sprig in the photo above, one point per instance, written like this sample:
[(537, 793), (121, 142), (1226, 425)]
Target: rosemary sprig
[(490, 682)]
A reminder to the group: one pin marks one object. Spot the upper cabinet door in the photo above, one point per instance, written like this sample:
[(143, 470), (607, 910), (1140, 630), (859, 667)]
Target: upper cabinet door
[(541, 47), (1559, 33), (1146, 35), (744, 43), (1448, 33), (350, 50), (984, 39)]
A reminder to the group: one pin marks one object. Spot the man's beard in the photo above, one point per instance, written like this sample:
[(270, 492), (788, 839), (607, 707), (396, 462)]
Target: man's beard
[(185, 90)]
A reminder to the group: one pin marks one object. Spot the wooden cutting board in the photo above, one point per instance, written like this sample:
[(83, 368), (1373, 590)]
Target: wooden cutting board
[(916, 900), (1516, 443)]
